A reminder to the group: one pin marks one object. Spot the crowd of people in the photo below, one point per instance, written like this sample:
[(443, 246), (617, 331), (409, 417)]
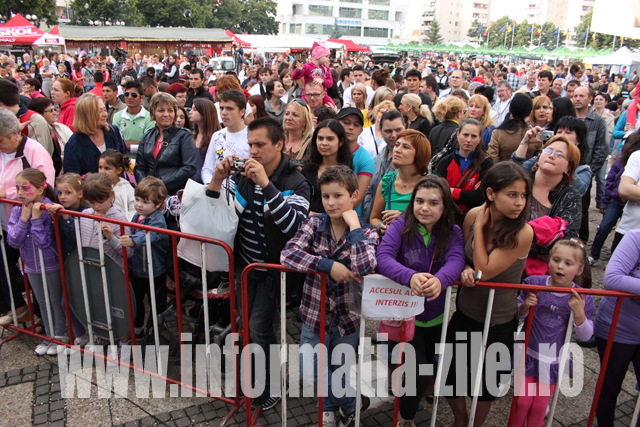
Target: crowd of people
[(425, 171)]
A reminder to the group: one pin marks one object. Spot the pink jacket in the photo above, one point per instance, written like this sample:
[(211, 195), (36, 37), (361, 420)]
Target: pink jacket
[(37, 157), (312, 71)]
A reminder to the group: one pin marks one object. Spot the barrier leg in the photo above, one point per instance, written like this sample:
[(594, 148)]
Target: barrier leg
[(439, 374), (47, 299), (563, 360), (83, 280), (636, 411), (283, 345), (485, 333), (8, 277), (359, 371), (152, 300), (107, 300)]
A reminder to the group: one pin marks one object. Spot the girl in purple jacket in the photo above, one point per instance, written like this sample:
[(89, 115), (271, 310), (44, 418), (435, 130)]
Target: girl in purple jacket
[(567, 264), (29, 229), (423, 249)]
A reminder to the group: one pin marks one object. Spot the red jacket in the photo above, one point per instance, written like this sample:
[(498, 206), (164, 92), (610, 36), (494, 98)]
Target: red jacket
[(98, 90), (67, 112), (468, 196)]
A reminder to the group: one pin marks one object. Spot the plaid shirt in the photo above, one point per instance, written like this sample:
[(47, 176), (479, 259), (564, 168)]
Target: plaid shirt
[(514, 81), (314, 250)]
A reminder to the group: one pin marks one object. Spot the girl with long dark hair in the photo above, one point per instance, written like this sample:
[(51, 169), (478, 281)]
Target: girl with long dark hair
[(204, 116), (497, 242), (424, 250), (328, 147), (505, 139)]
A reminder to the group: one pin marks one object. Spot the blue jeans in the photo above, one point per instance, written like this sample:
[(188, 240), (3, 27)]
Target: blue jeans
[(262, 306), (331, 403), (609, 220)]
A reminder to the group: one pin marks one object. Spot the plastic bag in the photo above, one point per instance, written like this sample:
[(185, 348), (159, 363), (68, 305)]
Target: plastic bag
[(207, 217)]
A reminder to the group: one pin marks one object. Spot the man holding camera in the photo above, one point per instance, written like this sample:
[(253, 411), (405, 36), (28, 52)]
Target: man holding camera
[(272, 201), (232, 140)]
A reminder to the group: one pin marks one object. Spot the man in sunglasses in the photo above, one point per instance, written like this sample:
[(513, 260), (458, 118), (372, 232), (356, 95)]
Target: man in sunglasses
[(135, 120)]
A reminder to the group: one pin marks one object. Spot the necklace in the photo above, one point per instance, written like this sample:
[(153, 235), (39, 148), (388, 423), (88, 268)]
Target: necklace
[(333, 234), (410, 182)]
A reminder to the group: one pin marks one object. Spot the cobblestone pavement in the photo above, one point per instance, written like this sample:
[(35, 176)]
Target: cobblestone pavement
[(30, 392)]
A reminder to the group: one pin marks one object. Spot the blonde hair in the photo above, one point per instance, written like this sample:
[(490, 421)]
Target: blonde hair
[(87, 114), (307, 132), (162, 98), (448, 108), (381, 93), (418, 107), (486, 117), (373, 113)]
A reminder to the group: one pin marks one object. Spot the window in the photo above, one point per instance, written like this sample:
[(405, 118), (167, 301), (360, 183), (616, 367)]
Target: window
[(350, 12), (375, 32), (379, 14), (349, 30), (315, 10), (380, 2), (456, 23), (351, 1), (317, 29), (295, 28)]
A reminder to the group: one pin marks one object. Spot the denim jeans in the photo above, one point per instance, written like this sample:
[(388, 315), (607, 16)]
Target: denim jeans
[(609, 220), (600, 182), (331, 403), (262, 305)]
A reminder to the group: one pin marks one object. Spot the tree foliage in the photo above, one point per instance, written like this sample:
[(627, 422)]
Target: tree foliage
[(432, 34), (336, 32), (473, 35), (103, 11), (258, 17), (45, 9)]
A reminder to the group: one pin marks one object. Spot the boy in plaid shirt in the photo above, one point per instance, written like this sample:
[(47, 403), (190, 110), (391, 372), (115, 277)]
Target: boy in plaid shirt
[(338, 244)]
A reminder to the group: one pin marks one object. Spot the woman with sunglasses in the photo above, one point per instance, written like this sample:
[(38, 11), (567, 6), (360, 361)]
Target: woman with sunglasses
[(60, 133), (552, 194)]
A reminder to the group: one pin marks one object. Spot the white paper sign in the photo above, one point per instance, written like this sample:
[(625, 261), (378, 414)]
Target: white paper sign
[(384, 299)]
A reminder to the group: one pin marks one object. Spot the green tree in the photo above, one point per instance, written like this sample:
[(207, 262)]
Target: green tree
[(600, 41), (226, 14), (473, 35), (258, 17), (522, 36), (548, 39), (170, 13), (103, 11), (432, 34), (497, 37), (44, 9), (311, 29), (336, 32)]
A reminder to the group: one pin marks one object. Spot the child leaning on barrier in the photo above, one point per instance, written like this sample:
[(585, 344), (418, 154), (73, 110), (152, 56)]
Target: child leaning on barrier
[(149, 198), (29, 229), (567, 262), (69, 188), (338, 244)]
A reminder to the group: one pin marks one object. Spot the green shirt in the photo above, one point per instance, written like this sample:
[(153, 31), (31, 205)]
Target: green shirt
[(399, 202), (133, 128)]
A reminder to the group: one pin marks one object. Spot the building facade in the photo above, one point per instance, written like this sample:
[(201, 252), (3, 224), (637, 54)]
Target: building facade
[(455, 17), (565, 14), (370, 22)]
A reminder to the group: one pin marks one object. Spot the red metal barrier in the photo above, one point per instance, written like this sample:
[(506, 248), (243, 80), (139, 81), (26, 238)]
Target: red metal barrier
[(174, 235)]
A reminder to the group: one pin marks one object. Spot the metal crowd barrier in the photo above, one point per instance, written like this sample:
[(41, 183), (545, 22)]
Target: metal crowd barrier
[(174, 235), (251, 418)]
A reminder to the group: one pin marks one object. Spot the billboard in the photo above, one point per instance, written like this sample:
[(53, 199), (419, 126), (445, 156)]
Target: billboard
[(610, 20)]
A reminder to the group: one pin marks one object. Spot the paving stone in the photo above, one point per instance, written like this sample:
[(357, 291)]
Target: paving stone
[(3, 382), (42, 381), (183, 422), (55, 378), (56, 396), (29, 377), (132, 424), (13, 373), (147, 422), (165, 416), (210, 415), (43, 389), (57, 405), (13, 380), (42, 399), (206, 407), (55, 387), (177, 414), (192, 410), (40, 419), (43, 374), (57, 415), (197, 418), (297, 411), (40, 409), (57, 424)]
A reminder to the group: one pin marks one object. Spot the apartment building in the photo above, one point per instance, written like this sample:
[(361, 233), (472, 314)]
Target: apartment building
[(565, 14), (455, 17)]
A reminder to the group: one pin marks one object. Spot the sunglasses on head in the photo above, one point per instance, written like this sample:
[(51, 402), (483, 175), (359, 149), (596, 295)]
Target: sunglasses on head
[(133, 95), (301, 102)]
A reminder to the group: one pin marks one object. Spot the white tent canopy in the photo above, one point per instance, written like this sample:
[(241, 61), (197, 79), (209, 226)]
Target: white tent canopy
[(50, 40), (622, 56)]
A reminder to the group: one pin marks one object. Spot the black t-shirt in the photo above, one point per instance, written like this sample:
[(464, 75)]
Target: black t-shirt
[(315, 204)]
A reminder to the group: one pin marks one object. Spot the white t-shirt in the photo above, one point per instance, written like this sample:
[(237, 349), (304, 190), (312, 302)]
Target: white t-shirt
[(346, 96), (246, 112), (224, 144), (368, 141), (631, 214)]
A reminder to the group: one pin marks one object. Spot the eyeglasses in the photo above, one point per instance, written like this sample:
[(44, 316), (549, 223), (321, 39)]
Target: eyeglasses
[(133, 95), (50, 110), (558, 154), (313, 95)]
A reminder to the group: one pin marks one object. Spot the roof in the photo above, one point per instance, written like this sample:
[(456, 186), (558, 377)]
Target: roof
[(19, 31), (622, 56), (280, 41), (350, 45), (104, 33)]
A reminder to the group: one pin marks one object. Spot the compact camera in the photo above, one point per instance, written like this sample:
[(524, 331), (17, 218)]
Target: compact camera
[(238, 165), (546, 135)]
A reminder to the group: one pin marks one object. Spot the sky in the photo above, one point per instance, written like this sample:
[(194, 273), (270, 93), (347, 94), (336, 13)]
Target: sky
[(500, 8)]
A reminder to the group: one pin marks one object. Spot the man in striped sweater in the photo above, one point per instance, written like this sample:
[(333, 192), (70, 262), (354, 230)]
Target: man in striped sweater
[(272, 200)]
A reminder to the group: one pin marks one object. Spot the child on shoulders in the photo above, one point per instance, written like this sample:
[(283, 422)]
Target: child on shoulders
[(317, 70)]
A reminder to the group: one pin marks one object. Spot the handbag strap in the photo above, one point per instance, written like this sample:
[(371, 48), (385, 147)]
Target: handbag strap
[(391, 183), (165, 144), (375, 143)]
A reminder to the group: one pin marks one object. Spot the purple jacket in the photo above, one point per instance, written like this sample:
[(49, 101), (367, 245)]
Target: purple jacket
[(28, 236), (399, 263), (611, 194)]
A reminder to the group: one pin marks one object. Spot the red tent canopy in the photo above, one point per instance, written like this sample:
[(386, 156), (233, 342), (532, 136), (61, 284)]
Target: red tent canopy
[(349, 45), (55, 31), (19, 31), (236, 39)]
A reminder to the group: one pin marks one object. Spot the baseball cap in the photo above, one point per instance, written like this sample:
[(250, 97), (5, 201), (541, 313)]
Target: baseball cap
[(347, 111)]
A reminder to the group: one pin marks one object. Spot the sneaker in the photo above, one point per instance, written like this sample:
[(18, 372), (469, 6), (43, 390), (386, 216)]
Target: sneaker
[(350, 420), (56, 349), (42, 348), (593, 262), (328, 419), (270, 403), (79, 342), (405, 423)]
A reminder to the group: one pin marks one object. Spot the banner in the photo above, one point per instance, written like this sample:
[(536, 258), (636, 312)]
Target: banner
[(383, 299)]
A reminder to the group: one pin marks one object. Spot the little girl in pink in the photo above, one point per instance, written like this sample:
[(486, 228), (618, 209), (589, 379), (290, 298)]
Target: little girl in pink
[(316, 70)]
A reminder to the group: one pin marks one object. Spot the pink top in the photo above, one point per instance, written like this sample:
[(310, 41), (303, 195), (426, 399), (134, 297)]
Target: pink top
[(312, 71)]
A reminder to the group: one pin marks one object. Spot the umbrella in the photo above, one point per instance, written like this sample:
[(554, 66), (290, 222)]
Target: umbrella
[(467, 48)]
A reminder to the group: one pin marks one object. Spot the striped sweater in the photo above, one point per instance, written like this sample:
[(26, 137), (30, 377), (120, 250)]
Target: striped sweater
[(90, 233)]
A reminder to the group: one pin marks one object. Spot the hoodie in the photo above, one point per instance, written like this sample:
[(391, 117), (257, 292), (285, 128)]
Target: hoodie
[(67, 112)]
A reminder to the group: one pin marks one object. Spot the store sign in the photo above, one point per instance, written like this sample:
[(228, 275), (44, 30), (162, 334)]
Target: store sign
[(17, 32), (349, 21)]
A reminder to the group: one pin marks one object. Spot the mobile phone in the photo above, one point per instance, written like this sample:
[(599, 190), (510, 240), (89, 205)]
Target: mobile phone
[(477, 276)]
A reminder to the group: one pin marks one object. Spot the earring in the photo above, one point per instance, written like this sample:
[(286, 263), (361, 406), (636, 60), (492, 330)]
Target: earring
[(565, 175)]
